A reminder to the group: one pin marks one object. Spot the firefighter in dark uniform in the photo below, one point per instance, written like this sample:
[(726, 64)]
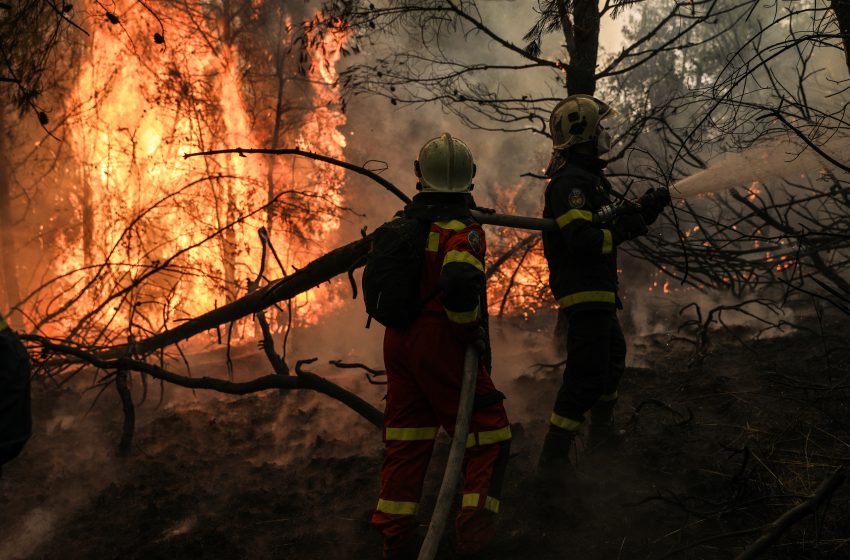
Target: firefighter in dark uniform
[(424, 364), (582, 258), (15, 415)]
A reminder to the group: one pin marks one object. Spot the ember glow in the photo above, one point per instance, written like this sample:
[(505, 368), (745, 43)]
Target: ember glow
[(162, 238)]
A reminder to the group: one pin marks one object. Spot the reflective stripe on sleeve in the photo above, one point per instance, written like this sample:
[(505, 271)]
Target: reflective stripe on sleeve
[(607, 242), (564, 422), (411, 434), (574, 214), (454, 225), (587, 297), (464, 317), (463, 257), (472, 501), (397, 508), (433, 242), (489, 437), (610, 397)]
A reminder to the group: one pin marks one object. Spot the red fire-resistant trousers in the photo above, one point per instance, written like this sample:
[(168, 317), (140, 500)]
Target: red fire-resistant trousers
[(424, 364)]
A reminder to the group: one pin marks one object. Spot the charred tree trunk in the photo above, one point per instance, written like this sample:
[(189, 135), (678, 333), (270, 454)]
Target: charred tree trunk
[(581, 32), (129, 425), (7, 240), (842, 15)]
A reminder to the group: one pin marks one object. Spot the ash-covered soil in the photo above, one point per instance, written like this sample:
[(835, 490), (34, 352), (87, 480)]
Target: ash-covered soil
[(713, 453)]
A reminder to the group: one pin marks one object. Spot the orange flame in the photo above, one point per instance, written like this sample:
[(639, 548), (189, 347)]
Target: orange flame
[(170, 238)]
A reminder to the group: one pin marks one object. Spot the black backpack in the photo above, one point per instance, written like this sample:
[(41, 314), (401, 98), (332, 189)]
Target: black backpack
[(393, 273)]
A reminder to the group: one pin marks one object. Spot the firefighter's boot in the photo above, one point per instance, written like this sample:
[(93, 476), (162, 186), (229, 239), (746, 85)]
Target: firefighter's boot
[(556, 483), (603, 434)]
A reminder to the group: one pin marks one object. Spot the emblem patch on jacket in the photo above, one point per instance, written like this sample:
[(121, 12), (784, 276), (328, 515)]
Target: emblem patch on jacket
[(577, 198), (474, 240)]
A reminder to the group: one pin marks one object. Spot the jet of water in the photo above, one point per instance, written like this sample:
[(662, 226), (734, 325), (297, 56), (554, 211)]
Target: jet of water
[(764, 163)]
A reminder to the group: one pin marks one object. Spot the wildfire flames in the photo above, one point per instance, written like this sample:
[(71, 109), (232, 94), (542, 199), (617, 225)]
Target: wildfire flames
[(520, 286), (162, 238)]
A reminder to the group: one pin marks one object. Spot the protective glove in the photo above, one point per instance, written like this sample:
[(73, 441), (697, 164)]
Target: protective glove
[(652, 203), (628, 226)]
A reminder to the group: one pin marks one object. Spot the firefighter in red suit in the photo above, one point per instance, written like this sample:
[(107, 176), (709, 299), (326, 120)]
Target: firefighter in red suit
[(424, 364)]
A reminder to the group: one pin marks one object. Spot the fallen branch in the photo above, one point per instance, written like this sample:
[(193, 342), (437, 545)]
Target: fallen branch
[(303, 380), (371, 373), (772, 532), (321, 270), (663, 405)]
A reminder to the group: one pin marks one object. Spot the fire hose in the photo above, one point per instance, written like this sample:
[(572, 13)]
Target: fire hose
[(606, 214), (455, 462)]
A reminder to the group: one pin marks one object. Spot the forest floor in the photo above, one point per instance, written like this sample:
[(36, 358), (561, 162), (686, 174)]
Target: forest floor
[(714, 452)]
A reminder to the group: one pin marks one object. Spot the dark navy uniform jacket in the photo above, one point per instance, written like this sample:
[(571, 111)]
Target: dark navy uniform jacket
[(582, 256)]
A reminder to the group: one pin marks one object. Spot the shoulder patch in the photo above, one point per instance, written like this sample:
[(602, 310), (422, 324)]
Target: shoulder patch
[(474, 240), (577, 198)]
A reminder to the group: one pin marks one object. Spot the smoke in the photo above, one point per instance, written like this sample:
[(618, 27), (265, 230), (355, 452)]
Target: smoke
[(62, 468), (767, 162), (28, 533)]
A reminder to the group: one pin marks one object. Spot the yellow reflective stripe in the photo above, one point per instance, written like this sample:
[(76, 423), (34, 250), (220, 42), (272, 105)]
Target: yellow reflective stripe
[(587, 297), (573, 214), (433, 242), (397, 508), (491, 504), (564, 422), (610, 397), (472, 501), (463, 257), (454, 225), (411, 434), (489, 437), (463, 317), (607, 242)]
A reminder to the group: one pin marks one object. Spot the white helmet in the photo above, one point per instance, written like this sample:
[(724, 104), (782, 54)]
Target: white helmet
[(445, 165)]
